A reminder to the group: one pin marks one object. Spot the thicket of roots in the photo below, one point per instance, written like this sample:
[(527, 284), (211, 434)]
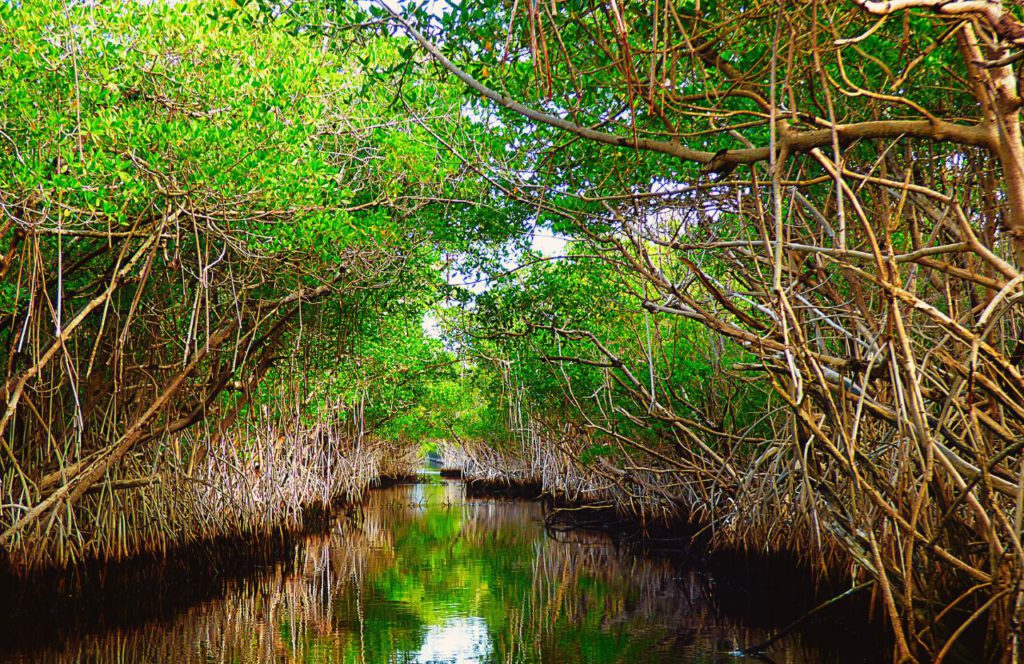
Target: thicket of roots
[(263, 479)]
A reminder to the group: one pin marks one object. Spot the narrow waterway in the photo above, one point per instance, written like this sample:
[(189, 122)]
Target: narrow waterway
[(423, 574)]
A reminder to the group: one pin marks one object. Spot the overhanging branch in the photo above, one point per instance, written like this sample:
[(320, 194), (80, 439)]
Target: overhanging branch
[(981, 134)]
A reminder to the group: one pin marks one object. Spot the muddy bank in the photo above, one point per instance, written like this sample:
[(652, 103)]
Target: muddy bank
[(49, 604), (92, 598), (482, 488), (386, 481)]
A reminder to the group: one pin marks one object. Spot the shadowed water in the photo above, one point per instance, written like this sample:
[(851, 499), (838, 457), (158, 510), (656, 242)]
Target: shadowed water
[(422, 574)]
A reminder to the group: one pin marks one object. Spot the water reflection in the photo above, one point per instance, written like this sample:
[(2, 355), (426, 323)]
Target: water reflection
[(459, 640), (423, 575)]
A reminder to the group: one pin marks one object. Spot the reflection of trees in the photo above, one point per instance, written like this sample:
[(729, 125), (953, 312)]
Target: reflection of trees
[(416, 560)]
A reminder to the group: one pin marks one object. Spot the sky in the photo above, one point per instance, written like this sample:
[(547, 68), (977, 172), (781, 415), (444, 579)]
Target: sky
[(543, 241)]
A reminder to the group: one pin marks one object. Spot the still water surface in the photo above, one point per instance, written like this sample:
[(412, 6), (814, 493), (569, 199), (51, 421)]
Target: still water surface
[(424, 575)]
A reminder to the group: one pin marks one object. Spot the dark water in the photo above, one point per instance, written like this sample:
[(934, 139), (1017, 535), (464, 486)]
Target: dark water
[(424, 575)]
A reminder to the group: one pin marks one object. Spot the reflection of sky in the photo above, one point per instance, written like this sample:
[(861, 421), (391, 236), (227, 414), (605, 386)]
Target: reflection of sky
[(442, 494), (549, 245), (417, 494), (458, 641)]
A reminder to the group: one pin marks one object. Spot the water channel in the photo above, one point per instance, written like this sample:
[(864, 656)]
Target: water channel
[(423, 574)]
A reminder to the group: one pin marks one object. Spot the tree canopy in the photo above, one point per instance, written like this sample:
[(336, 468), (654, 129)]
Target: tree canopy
[(787, 310)]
